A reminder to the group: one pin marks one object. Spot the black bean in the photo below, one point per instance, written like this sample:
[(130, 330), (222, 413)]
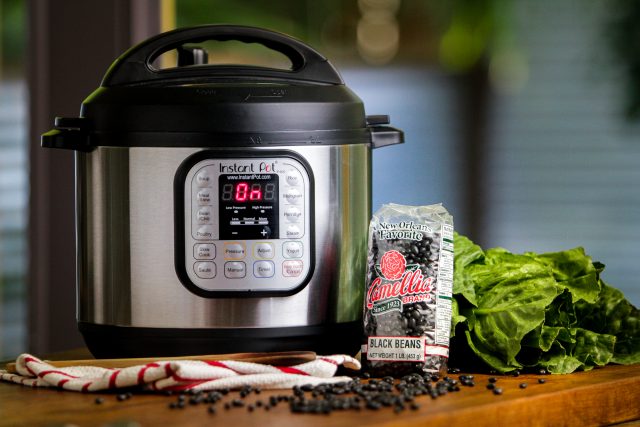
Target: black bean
[(180, 404), (212, 409), (491, 386), (173, 405), (523, 385), (121, 397), (541, 380), (227, 405), (497, 390), (250, 408), (237, 403), (543, 371), (99, 400)]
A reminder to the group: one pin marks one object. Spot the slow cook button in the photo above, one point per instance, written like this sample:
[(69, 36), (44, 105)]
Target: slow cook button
[(234, 250), (205, 270), (293, 231), (235, 269), (204, 251), (203, 179), (263, 269), (204, 215), (204, 196), (292, 214), (293, 178), (292, 268), (292, 196), (292, 249), (263, 250), (204, 232)]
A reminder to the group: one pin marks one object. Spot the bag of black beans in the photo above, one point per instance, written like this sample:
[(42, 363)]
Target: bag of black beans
[(407, 310)]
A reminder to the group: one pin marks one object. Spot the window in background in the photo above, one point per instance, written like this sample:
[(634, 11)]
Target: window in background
[(13, 179), (564, 164)]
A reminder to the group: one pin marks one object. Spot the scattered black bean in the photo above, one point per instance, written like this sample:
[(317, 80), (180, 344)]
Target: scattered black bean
[(542, 380), (491, 386), (99, 400), (121, 397), (492, 379), (227, 405), (250, 408), (181, 404), (237, 403), (497, 390), (173, 405), (523, 385), (212, 409), (543, 371)]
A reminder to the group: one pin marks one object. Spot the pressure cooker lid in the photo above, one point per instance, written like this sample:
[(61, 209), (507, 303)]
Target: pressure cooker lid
[(196, 104)]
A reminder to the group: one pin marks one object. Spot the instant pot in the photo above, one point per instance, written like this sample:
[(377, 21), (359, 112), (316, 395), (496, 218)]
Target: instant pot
[(221, 208)]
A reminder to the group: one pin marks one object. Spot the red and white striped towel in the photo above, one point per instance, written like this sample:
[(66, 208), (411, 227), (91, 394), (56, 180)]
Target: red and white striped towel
[(179, 375)]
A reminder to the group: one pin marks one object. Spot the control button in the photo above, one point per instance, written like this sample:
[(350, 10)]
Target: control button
[(292, 196), (292, 268), (292, 249), (235, 269), (204, 196), (293, 178), (203, 179), (204, 215), (292, 232), (204, 232), (204, 251), (234, 250), (292, 214), (263, 250), (266, 232), (205, 269), (263, 269)]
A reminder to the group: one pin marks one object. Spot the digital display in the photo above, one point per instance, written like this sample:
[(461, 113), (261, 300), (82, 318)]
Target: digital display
[(248, 206)]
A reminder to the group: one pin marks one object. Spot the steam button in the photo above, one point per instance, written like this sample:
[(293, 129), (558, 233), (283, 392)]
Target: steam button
[(205, 269), (293, 232)]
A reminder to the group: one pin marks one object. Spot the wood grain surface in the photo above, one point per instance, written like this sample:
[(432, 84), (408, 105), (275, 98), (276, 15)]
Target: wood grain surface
[(600, 397)]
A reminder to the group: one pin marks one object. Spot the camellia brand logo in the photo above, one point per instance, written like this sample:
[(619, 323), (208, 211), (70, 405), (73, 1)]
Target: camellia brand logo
[(399, 281)]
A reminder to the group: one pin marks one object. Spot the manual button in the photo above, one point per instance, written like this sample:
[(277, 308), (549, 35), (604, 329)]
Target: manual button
[(235, 269)]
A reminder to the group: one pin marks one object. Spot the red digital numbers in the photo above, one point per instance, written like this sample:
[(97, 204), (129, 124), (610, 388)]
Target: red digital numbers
[(248, 192), (243, 193)]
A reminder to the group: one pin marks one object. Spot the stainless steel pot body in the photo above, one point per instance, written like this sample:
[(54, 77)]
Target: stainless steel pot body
[(125, 240)]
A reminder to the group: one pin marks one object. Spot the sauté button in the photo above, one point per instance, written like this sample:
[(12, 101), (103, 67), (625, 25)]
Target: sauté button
[(203, 179), (235, 269), (292, 249), (204, 232), (204, 215), (292, 268), (204, 251), (234, 250), (204, 196), (263, 269), (205, 270), (292, 214), (292, 196), (263, 250)]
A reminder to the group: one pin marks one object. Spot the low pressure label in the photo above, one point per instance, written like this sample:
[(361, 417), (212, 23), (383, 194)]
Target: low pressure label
[(397, 349)]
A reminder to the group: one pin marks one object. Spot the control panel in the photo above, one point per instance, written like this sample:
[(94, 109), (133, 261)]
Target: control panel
[(247, 223)]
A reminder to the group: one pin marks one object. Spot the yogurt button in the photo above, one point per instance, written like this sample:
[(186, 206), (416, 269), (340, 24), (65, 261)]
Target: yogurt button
[(292, 232), (203, 179), (204, 232), (293, 178), (292, 249), (205, 270), (263, 269), (292, 214), (263, 250)]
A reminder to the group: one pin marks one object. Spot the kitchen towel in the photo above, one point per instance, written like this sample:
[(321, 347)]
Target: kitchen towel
[(179, 375)]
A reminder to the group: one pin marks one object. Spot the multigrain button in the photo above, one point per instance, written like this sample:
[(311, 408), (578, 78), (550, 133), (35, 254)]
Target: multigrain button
[(292, 196), (263, 269), (235, 269), (204, 232), (293, 178), (292, 249), (292, 268), (204, 215), (234, 251), (293, 232), (204, 251), (203, 179), (263, 250), (205, 269), (292, 214), (204, 196)]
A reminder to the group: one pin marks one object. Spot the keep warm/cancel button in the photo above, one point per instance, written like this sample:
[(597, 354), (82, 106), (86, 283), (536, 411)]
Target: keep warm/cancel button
[(292, 268)]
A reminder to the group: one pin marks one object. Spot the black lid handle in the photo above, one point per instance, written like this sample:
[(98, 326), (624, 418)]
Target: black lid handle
[(134, 66)]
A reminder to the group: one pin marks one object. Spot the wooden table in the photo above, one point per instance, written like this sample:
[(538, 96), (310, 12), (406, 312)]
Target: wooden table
[(603, 396)]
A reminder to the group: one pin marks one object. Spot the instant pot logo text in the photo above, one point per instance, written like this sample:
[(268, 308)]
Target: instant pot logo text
[(236, 168)]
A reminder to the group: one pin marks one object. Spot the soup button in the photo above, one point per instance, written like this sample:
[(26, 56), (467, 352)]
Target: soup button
[(292, 268)]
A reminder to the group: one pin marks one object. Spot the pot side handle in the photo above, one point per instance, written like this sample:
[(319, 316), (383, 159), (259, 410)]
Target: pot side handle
[(134, 67), (382, 135)]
